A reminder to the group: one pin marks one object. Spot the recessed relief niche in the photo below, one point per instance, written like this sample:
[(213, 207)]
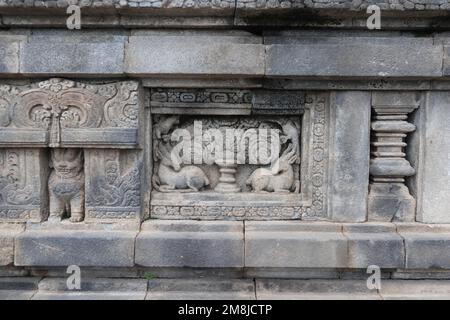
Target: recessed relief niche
[(70, 151), (238, 154)]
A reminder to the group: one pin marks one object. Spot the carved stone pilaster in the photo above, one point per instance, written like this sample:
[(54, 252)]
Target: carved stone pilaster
[(389, 197)]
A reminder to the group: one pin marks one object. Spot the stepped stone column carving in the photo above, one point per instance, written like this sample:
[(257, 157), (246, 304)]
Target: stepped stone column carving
[(389, 197)]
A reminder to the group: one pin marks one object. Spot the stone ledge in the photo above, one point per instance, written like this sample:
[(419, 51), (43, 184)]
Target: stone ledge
[(18, 288), (92, 289), (426, 246), (314, 290), (62, 248), (191, 55), (294, 245), (201, 289), (374, 244), (291, 245), (206, 244)]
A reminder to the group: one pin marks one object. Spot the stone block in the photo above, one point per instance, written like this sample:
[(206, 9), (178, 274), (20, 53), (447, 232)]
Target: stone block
[(92, 289), (190, 55), (354, 60), (374, 244), (294, 245), (7, 234), (350, 157), (84, 248), (201, 244), (201, 289), (426, 246), (9, 56), (284, 289), (433, 200), (59, 58), (415, 290)]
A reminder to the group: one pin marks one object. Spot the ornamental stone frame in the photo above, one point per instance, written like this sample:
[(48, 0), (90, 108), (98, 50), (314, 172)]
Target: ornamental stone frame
[(313, 113)]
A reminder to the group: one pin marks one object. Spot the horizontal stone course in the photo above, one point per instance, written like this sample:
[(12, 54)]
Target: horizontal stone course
[(356, 60), (178, 54), (220, 244)]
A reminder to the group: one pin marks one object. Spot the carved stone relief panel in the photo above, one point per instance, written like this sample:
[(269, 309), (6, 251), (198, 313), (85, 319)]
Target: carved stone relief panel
[(253, 155), (83, 160), (23, 187), (113, 184), (64, 113)]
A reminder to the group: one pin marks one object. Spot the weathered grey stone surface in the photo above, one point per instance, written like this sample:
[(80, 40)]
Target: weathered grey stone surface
[(18, 288), (71, 247), (7, 234), (42, 58), (9, 56), (350, 174), (205, 244), (294, 245), (314, 290), (426, 245), (192, 55), (446, 71), (357, 60), (415, 290), (433, 185), (374, 245), (201, 289), (92, 289)]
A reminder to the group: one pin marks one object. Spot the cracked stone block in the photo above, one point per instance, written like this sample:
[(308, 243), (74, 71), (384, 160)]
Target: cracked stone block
[(18, 288), (201, 244), (374, 244), (426, 246)]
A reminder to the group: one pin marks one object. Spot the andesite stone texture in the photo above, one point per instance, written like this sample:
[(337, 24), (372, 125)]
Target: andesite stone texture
[(224, 140)]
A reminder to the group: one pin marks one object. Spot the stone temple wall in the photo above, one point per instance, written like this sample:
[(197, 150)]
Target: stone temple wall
[(90, 121)]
